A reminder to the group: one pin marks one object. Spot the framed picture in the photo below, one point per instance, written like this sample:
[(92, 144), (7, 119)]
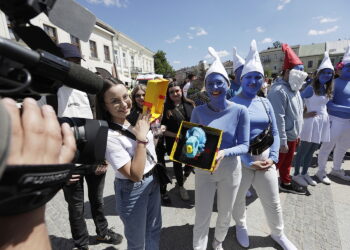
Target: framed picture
[(203, 158)]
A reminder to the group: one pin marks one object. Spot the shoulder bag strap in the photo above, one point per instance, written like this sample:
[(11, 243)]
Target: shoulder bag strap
[(268, 114)]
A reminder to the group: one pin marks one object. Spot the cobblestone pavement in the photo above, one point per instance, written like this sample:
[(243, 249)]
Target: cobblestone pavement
[(318, 220)]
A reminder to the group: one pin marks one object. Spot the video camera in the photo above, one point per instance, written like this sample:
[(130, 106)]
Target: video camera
[(41, 70)]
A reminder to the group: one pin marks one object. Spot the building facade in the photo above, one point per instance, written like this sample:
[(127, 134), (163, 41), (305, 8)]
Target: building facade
[(311, 55), (107, 49)]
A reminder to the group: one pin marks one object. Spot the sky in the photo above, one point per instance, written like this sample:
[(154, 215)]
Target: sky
[(184, 29)]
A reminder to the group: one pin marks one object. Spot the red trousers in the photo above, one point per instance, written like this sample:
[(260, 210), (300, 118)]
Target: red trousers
[(284, 164)]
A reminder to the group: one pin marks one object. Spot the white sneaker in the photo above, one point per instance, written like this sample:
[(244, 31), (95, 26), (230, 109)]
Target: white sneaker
[(248, 194), (284, 242), (300, 180), (323, 178), (340, 174), (242, 236), (184, 194), (217, 245), (309, 180)]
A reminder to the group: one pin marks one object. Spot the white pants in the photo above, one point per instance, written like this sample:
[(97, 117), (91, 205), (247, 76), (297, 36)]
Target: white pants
[(340, 141), (225, 180), (266, 185)]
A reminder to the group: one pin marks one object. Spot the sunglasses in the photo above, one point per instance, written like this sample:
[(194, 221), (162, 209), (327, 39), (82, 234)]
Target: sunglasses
[(139, 95)]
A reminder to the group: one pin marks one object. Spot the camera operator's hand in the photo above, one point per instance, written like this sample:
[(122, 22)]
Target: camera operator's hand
[(37, 137)]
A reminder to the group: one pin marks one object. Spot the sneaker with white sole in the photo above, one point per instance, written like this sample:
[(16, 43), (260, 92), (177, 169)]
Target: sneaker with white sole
[(300, 180), (340, 174), (242, 236), (283, 241), (323, 178), (184, 194), (217, 245), (309, 180)]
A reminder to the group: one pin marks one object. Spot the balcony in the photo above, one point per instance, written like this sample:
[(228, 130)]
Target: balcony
[(135, 70)]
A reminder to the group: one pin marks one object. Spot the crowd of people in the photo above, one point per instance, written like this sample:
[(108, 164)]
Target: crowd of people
[(268, 128)]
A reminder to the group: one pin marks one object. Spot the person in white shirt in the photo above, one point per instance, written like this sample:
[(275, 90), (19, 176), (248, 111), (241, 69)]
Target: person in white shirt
[(131, 153), (190, 77)]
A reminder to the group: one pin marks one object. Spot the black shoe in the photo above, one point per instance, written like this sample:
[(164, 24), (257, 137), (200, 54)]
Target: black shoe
[(110, 237), (81, 248), (166, 199), (292, 188)]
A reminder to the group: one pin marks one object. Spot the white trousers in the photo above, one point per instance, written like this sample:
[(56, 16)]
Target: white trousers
[(265, 184), (340, 141), (225, 180)]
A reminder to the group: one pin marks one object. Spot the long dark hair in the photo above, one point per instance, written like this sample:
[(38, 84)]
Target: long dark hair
[(317, 85), (133, 95), (101, 111), (169, 105)]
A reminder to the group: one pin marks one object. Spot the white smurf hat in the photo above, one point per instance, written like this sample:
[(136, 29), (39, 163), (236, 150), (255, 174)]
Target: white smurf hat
[(216, 66), (237, 60), (346, 57), (253, 62), (326, 63)]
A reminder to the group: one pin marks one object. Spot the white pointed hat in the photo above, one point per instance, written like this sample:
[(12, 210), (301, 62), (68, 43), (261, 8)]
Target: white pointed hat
[(237, 60), (253, 62), (326, 63), (346, 57), (216, 66)]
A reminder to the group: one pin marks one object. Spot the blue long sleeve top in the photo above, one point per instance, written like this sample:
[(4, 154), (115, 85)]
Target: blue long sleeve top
[(339, 106), (234, 121), (309, 91), (259, 121)]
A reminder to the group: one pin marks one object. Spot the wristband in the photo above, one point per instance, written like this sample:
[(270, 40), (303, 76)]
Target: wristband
[(27, 187), (142, 142)]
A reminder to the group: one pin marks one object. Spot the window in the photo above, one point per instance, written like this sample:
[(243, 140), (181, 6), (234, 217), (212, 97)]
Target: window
[(132, 61), (93, 49), (107, 54), (51, 32), (116, 53), (124, 59), (309, 64), (75, 40)]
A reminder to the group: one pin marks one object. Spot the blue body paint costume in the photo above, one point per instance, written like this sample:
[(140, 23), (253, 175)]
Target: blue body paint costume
[(234, 121), (258, 122)]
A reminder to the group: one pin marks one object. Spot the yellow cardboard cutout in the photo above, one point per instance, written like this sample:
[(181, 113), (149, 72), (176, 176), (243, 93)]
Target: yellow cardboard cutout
[(155, 97)]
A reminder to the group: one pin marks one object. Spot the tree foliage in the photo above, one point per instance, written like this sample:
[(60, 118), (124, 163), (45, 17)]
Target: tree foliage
[(277, 44), (161, 64)]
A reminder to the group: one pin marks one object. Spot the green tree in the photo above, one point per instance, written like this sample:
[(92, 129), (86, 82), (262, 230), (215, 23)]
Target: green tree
[(161, 64)]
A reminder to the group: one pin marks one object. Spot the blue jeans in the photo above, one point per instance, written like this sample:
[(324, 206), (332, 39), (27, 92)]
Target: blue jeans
[(138, 205), (303, 157)]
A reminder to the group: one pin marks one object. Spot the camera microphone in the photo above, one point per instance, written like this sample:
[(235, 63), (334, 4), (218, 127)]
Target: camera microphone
[(52, 67)]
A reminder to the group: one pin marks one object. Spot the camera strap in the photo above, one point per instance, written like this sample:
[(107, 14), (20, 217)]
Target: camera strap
[(27, 187), (127, 133)]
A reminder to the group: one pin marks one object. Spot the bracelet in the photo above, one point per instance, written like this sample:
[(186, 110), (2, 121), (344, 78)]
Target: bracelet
[(142, 142)]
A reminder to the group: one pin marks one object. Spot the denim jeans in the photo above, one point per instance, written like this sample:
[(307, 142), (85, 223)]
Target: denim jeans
[(138, 205), (303, 158), (74, 195)]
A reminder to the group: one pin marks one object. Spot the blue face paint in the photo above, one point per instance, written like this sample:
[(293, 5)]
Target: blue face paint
[(299, 67), (238, 74), (216, 86), (251, 83), (345, 72), (325, 75)]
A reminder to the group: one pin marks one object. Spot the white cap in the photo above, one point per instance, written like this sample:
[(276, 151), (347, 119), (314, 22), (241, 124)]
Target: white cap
[(346, 57), (216, 66), (326, 63), (237, 60), (253, 62)]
